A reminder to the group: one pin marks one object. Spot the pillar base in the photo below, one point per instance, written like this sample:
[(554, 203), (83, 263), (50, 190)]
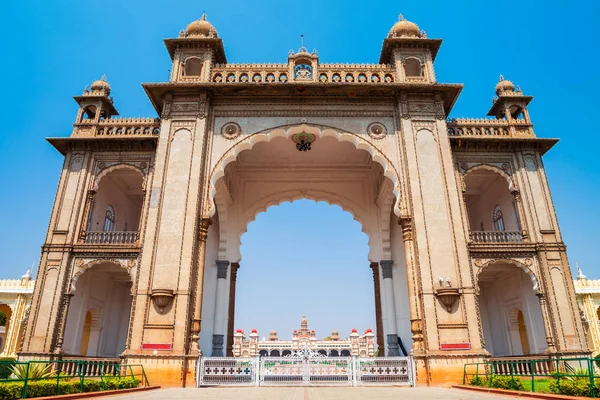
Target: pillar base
[(218, 341), (393, 348)]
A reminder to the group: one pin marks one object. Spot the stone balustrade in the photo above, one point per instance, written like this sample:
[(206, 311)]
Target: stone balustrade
[(496, 236), (110, 237), (488, 128), (281, 73), (121, 127)]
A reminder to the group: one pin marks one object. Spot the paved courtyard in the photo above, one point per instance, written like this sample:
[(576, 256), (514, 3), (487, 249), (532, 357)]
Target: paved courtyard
[(309, 393)]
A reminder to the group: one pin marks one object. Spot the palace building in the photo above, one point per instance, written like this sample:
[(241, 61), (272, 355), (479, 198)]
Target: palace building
[(355, 345), (140, 259)]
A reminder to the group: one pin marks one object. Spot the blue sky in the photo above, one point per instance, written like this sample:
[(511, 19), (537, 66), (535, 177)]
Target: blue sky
[(52, 50)]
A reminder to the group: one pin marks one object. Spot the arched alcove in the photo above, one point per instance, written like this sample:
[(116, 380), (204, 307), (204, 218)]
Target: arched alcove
[(510, 311), (99, 312)]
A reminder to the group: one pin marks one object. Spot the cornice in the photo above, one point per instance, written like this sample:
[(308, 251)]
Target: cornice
[(113, 144), (500, 144)]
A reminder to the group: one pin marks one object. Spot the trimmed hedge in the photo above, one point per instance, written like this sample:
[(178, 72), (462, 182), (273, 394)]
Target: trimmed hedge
[(575, 387), (48, 387), (499, 382)]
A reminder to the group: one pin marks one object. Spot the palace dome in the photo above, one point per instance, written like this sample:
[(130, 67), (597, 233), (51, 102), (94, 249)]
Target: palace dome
[(101, 85), (404, 28), (201, 28), (504, 86)]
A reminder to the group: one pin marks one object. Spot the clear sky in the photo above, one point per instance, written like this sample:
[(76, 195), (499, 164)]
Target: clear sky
[(52, 50)]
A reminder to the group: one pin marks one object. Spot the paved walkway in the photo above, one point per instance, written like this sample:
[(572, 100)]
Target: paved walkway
[(309, 393)]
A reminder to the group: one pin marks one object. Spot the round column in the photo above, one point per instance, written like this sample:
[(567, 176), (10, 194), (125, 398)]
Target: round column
[(390, 308), (220, 308)]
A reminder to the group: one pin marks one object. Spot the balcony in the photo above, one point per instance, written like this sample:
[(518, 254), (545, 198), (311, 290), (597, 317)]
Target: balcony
[(496, 236), (111, 237)]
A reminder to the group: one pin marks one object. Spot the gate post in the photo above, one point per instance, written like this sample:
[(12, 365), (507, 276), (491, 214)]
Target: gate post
[(354, 363), (257, 371)]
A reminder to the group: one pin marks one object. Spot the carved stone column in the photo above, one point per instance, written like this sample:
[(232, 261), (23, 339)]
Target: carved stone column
[(63, 324), (547, 323), (392, 332), (197, 320), (86, 214), (416, 324), (13, 334), (219, 331), (230, 321), (378, 317), (522, 222)]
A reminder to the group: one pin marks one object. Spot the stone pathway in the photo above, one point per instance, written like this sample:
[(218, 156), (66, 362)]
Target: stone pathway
[(309, 393)]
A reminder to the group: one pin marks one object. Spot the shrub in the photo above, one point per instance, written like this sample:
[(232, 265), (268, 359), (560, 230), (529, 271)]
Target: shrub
[(5, 367), (506, 382), (478, 381), (597, 360), (92, 385), (35, 371), (11, 390), (571, 387)]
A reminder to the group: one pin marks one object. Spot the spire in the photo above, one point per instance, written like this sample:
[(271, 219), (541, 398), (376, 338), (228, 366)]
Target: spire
[(401, 17), (203, 16), (580, 274)]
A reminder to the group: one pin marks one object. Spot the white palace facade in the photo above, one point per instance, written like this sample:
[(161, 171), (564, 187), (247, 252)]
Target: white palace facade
[(140, 259), (355, 345)]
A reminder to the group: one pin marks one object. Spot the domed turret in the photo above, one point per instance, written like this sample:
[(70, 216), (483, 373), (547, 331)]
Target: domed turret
[(101, 85), (504, 86), (404, 28), (201, 28)]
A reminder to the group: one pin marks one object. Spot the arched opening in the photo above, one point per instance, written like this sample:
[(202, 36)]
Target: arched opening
[(491, 208), (413, 68), (328, 196), (511, 315), (7, 311), (334, 353), (98, 317), (286, 353), (275, 353), (264, 353), (345, 353), (117, 207), (193, 66)]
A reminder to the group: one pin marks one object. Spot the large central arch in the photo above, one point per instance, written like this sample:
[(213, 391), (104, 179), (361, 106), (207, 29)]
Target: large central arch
[(342, 168)]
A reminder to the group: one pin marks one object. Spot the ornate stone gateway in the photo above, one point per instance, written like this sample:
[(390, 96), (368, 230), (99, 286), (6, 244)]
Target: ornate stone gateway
[(306, 368), (143, 246)]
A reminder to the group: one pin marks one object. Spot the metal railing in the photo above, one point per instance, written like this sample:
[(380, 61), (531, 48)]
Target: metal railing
[(50, 378), (294, 370), (496, 236), (568, 376), (111, 237)]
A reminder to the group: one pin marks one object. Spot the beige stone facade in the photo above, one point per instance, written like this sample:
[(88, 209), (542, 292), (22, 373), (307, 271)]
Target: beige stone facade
[(143, 245), (15, 301), (587, 292)]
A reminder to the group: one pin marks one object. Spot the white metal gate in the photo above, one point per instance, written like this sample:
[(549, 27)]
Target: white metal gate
[(305, 368), (384, 371), (227, 371), (306, 371)]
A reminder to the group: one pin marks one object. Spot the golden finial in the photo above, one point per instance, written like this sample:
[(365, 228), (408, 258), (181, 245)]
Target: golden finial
[(103, 77), (401, 17), (501, 78), (203, 16)]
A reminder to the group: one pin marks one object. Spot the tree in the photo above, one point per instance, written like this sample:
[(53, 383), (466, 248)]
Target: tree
[(2, 319)]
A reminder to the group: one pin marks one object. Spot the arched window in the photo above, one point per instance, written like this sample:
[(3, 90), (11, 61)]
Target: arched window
[(109, 219), (413, 68), (498, 220), (193, 66)]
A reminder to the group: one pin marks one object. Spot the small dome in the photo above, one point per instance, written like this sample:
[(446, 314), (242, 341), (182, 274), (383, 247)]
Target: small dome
[(404, 28), (354, 330), (254, 330), (101, 85), (201, 28), (239, 331), (369, 330), (504, 86), (273, 331)]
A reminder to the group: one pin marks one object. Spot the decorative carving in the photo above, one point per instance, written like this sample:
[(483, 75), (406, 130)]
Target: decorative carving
[(222, 266), (386, 268), (377, 130), (448, 296), (162, 298), (231, 130)]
